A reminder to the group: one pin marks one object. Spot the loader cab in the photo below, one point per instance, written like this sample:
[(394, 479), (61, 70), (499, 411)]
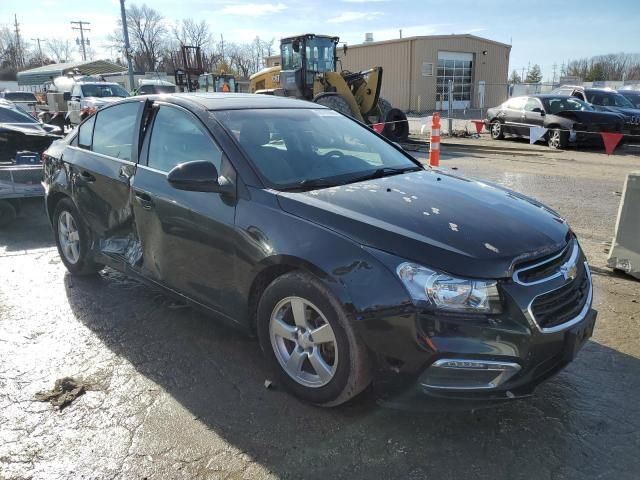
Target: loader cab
[(303, 58)]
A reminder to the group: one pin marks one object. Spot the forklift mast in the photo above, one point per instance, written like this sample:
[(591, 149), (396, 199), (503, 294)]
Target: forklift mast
[(186, 77)]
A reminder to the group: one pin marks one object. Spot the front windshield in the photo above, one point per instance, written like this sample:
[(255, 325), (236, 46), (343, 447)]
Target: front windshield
[(104, 90), (621, 101), (633, 97), (565, 104), (296, 147), (9, 115), (320, 55)]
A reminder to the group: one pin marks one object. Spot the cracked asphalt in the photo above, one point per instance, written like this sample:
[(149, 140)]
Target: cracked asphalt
[(174, 394)]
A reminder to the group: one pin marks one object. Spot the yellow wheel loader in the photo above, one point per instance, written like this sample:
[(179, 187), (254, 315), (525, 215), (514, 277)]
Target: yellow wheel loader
[(308, 71)]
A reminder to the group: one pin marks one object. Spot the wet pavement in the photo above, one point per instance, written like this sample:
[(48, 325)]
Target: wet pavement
[(171, 393)]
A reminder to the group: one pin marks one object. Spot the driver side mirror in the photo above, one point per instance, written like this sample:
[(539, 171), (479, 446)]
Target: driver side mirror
[(199, 176), (539, 110)]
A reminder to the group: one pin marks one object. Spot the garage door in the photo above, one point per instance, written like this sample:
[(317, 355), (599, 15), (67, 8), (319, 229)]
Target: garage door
[(457, 67)]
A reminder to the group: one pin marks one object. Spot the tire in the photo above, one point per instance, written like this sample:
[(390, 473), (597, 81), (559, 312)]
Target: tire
[(345, 368), (73, 246), (497, 132), (334, 102), (557, 139), (7, 213), (397, 128)]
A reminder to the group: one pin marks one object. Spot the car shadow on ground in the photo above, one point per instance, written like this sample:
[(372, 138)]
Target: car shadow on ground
[(217, 373), (30, 230)]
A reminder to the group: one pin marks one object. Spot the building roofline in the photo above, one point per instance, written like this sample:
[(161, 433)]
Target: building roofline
[(431, 37)]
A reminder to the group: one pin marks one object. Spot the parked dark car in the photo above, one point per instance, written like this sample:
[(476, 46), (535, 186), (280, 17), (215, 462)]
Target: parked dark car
[(632, 95), (20, 132), (350, 259), (568, 120), (607, 100)]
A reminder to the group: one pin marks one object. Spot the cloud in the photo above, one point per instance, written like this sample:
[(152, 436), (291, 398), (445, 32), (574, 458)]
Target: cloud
[(365, 1), (354, 16), (254, 9)]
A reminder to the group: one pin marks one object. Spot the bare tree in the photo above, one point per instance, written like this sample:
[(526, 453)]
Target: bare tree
[(191, 32), (59, 50), (613, 66), (147, 36)]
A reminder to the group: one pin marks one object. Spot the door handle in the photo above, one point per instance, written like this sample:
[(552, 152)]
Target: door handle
[(144, 199), (87, 177)]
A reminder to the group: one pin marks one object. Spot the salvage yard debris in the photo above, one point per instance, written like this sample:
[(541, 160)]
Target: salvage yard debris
[(65, 391)]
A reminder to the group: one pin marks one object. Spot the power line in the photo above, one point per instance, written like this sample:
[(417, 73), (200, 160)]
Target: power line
[(82, 28)]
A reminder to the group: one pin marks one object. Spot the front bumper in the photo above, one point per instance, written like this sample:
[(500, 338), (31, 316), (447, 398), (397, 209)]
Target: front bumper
[(543, 325)]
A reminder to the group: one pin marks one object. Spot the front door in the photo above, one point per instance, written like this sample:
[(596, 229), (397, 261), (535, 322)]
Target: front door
[(187, 237), (533, 113), (103, 162)]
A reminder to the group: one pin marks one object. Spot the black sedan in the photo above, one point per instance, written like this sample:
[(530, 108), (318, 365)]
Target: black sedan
[(348, 258), (566, 119)]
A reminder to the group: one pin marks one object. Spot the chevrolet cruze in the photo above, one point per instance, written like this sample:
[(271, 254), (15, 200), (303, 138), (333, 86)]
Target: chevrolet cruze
[(349, 259)]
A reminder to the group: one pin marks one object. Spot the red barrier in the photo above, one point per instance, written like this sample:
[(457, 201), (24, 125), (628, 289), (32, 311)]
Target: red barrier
[(378, 127), (479, 124), (611, 141)]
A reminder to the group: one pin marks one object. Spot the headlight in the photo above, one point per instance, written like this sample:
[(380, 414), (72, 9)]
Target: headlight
[(447, 292)]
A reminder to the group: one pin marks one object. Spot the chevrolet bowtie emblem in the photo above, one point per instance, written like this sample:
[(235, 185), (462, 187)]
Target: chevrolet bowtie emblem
[(569, 272)]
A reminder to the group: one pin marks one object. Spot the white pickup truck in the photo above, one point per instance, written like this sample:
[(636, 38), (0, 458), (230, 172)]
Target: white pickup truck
[(87, 97)]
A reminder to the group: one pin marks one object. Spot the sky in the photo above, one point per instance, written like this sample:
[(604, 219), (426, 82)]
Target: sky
[(544, 32)]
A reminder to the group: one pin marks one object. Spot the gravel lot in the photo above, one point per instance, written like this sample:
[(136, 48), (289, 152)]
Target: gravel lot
[(171, 393)]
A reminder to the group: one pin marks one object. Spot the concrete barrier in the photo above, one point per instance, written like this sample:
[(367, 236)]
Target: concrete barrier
[(625, 248)]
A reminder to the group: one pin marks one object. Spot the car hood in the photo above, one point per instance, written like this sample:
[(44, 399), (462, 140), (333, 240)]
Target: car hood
[(461, 226), (627, 112), (101, 100)]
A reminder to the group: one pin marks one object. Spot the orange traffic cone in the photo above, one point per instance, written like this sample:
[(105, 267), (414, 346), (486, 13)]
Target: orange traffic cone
[(434, 145)]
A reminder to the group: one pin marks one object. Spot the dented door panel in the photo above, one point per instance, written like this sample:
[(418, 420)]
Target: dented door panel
[(187, 238)]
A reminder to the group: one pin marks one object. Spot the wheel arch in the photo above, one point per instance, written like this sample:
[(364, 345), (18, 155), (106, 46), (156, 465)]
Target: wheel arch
[(52, 201), (276, 266)]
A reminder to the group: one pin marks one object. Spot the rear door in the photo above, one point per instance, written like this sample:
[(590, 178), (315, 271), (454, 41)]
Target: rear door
[(73, 105), (101, 166), (513, 118), (187, 237), (532, 113)]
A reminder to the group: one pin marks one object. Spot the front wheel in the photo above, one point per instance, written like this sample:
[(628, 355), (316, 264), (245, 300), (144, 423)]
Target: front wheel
[(497, 132), (308, 340), (72, 239)]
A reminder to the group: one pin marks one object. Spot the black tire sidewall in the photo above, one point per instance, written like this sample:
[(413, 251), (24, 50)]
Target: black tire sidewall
[(304, 286), (85, 264)]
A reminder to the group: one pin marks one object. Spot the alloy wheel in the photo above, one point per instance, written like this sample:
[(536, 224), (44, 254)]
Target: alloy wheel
[(495, 129), (69, 237), (554, 139), (304, 342)]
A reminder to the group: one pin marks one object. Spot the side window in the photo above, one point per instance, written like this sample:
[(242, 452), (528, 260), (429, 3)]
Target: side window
[(531, 104), (115, 130), (516, 103), (178, 138), (86, 133)]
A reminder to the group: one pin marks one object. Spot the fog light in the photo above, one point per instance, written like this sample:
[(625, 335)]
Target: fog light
[(463, 374)]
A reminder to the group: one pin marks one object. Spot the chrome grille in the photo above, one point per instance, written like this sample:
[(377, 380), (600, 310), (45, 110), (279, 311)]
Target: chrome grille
[(547, 268)]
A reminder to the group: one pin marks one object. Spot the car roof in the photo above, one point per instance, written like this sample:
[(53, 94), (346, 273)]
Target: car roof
[(550, 95), (234, 101)]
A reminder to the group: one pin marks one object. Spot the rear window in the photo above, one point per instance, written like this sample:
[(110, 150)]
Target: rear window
[(20, 96), (9, 115)]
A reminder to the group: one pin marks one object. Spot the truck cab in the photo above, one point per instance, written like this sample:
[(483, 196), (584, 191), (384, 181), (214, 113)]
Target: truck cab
[(88, 97)]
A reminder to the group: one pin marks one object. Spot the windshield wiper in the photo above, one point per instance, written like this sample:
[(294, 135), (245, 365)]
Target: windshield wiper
[(383, 172), (310, 184)]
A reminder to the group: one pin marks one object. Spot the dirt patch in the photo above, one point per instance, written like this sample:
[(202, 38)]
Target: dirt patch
[(64, 392)]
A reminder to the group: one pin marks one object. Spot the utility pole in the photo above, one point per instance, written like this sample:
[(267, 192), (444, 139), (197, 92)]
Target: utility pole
[(555, 66), (522, 77), (222, 47), (19, 59), (127, 47), (39, 49), (82, 28)]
